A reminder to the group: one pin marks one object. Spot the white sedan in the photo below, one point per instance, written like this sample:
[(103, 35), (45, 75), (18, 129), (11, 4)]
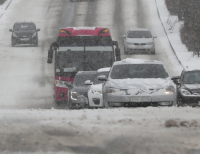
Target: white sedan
[(95, 91), (136, 82), (139, 41)]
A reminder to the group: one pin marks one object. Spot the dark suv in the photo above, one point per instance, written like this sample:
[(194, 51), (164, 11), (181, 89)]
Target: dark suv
[(188, 87), (24, 33)]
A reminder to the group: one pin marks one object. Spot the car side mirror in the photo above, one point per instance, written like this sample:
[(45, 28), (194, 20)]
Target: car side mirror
[(69, 84), (124, 36), (88, 82), (176, 79), (102, 78), (37, 30), (117, 53), (10, 30)]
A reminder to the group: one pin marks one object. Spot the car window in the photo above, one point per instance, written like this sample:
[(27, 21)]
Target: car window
[(24, 26), (139, 34), (138, 71), (191, 77)]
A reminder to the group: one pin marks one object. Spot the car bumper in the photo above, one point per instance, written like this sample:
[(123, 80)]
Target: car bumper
[(155, 100), (191, 100), (24, 40), (80, 102), (95, 100)]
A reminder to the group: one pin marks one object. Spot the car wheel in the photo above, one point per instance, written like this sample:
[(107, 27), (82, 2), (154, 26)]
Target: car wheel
[(153, 52), (180, 103), (125, 51), (13, 43), (36, 44)]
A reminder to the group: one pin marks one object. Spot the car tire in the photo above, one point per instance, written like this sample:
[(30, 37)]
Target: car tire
[(153, 52), (13, 43), (180, 102), (125, 51)]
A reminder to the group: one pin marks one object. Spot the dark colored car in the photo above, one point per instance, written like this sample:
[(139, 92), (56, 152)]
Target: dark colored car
[(78, 92), (188, 87), (24, 33)]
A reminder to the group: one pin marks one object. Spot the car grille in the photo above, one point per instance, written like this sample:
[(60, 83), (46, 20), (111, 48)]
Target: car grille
[(139, 43), (135, 104)]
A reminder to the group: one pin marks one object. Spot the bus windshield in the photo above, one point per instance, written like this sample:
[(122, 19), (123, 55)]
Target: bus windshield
[(84, 41), (73, 61)]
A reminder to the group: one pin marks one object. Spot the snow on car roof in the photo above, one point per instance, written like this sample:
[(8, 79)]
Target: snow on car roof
[(137, 61), (138, 29), (106, 69), (194, 68)]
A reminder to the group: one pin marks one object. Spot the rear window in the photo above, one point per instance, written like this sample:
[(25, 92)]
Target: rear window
[(24, 26)]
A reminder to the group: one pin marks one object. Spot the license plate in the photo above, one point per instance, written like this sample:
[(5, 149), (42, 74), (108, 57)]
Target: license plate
[(140, 99), (24, 39)]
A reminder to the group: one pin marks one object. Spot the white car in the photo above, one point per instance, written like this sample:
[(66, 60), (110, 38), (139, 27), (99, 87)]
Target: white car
[(139, 41), (95, 91), (136, 82)]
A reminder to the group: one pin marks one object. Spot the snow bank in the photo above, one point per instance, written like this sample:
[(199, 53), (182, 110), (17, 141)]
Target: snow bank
[(185, 57)]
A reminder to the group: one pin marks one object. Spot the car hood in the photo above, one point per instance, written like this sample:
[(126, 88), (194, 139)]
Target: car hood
[(139, 40), (140, 85), (195, 88), (96, 87), (81, 90)]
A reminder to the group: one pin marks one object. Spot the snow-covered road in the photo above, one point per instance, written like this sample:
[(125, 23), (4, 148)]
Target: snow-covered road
[(27, 122)]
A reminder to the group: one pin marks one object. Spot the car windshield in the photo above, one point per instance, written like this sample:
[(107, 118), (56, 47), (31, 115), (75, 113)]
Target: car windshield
[(191, 77), (139, 34), (138, 71), (81, 78), (24, 26), (96, 81)]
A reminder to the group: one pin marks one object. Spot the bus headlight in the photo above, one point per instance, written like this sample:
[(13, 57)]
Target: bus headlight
[(60, 83)]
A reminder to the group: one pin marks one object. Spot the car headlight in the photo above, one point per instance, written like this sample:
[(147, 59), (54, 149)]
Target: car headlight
[(185, 92), (150, 43), (14, 35), (111, 90), (60, 83), (169, 89), (130, 43), (96, 92), (74, 95), (34, 35)]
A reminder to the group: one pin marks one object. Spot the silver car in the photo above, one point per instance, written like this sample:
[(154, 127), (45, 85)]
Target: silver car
[(139, 41), (135, 82)]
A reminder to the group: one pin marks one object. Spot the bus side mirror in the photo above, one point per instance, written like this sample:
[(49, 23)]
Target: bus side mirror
[(50, 56), (117, 53)]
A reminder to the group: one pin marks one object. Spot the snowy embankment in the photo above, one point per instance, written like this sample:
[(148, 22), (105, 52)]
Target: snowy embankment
[(185, 57), (120, 130)]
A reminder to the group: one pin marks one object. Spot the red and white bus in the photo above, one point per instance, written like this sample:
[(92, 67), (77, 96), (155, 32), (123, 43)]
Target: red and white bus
[(80, 49)]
